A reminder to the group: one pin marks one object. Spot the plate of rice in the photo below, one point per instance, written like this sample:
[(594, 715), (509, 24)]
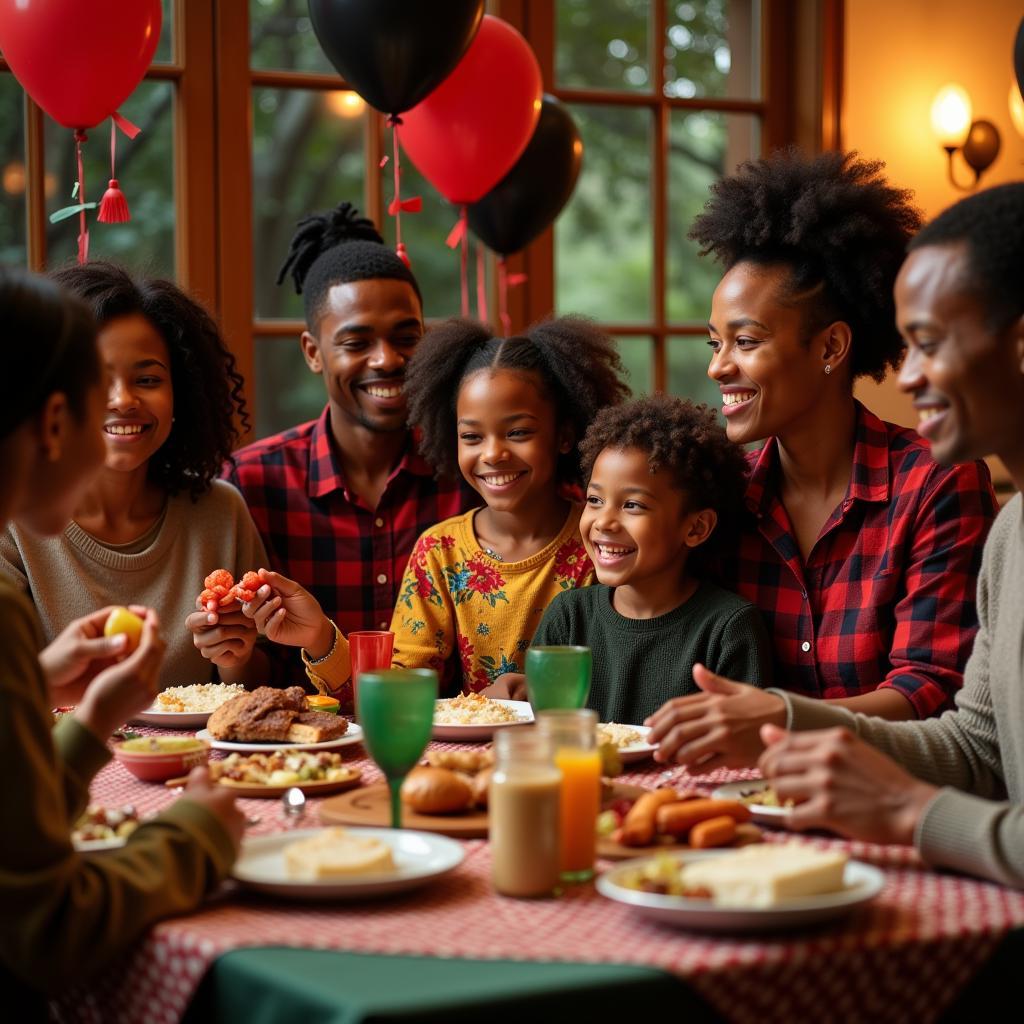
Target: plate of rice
[(187, 707), (630, 740), (471, 717)]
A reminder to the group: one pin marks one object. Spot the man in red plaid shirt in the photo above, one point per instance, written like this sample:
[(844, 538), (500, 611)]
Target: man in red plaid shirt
[(340, 501), (861, 551)]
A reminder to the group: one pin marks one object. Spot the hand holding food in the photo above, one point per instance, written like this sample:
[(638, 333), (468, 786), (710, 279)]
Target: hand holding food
[(229, 643), (718, 728), (839, 782), (218, 801), (82, 650), (289, 614), (119, 692)]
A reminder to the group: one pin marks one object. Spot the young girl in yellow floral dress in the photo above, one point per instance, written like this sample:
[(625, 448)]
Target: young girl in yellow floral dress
[(507, 413)]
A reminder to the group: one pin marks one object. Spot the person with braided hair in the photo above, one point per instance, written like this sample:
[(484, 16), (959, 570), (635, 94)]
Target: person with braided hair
[(339, 501), (156, 520), (860, 550)]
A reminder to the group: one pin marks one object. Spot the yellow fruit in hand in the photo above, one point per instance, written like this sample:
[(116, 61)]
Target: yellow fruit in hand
[(120, 620)]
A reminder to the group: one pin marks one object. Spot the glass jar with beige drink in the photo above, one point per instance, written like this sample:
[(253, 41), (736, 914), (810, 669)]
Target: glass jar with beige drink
[(524, 814)]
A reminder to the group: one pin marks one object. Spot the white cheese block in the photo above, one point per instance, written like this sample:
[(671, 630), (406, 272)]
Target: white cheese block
[(336, 853), (766, 874)]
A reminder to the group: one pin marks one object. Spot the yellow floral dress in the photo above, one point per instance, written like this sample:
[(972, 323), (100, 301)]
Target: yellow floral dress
[(470, 615)]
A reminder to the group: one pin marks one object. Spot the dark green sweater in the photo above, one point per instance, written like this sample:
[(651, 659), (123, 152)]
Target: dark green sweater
[(641, 663)]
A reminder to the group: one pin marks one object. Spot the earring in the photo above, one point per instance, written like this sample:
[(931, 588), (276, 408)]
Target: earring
[(828, 368)]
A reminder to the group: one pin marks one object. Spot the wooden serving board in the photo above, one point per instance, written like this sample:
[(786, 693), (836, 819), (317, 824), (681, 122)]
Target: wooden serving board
[(371, 805), (311, 789)]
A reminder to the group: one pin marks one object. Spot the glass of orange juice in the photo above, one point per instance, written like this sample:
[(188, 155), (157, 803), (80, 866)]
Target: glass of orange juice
[(574, 737)]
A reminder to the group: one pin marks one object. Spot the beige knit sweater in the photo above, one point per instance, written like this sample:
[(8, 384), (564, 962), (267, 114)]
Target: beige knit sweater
[(976, 752), (73, 574)]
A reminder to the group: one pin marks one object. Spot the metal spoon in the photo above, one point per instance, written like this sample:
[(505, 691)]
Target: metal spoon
[(293, 806)]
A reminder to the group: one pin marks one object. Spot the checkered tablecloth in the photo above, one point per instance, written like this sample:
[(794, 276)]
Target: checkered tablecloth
[(903, 957)]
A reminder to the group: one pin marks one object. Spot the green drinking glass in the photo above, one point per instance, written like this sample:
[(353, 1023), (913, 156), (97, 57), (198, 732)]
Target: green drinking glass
[(558, 677), (396, 713)]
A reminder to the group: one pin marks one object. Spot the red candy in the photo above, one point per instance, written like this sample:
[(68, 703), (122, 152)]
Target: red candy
[(219, 579), (222, 591), (245, 589)]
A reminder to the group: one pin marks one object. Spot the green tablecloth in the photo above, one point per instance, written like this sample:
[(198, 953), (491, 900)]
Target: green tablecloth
[(273, 985)]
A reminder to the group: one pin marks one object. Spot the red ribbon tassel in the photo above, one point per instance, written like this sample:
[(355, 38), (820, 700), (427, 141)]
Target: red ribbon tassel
[(459, 236), (113, 205), (399, 205), (506, 281), (83, 227)]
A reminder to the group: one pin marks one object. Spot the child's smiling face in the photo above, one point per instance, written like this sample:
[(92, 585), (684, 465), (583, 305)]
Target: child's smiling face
[(509, 438), (637, 526)]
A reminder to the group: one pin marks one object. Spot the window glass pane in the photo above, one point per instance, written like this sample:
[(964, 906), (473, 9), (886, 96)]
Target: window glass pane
[(281, 37), (145, 169), (603, 44), (286, 393), (687, 358), (13, 175), (423, 234), (307, 155), (603, 246), (165, 48), (703, 147), (637, 356), (712, 48)]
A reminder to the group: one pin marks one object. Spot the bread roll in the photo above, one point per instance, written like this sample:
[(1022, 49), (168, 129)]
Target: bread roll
[(481, 787), (436, 791)]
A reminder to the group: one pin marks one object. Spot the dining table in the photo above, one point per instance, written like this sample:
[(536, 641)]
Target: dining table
[(930, 946)]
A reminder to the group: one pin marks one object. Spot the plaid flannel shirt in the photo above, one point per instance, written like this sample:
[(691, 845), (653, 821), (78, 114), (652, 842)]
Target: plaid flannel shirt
[(887, 596), (350, 557)]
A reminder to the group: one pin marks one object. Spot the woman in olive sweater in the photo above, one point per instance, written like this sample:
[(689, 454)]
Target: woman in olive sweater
[(65, 915)]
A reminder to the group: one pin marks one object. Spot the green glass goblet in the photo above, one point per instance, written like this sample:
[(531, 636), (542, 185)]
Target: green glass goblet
[(396, 714), (558, 677)]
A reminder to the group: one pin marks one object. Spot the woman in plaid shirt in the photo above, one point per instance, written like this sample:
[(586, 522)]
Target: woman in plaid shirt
[(860, 551)]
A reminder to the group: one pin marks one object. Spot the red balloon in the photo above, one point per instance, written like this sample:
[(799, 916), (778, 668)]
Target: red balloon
[(473, 127), (79, 61)]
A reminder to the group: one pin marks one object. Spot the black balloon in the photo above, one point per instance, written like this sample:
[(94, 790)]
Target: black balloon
[(394, 53), (1018, 57), (533, 193)]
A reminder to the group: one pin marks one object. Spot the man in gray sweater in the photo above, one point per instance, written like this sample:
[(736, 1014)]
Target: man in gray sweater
[(952, 786)]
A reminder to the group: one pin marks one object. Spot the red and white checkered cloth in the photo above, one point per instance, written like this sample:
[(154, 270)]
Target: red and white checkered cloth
[(904, 957)]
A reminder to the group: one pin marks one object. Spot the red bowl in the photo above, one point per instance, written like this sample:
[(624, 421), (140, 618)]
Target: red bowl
[(158, 765)]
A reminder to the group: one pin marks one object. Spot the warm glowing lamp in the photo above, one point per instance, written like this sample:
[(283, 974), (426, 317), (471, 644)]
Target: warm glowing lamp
[(14, 178), (1017, 108), (345, 103), (977, 140)]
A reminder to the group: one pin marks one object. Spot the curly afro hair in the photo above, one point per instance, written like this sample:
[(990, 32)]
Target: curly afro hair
[(208, 390), (335, 247), (837, 224), (991, 224), (682, 438), (575, 363)]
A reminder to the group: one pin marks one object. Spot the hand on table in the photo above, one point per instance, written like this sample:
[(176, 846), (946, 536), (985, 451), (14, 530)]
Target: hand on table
[(719, 728), (843, 784), (225, 637), (218, 801), (124, 689), (79, 652), (510, 686), (289, 614)]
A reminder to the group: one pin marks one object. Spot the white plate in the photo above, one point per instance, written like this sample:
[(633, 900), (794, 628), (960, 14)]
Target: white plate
[(172, 719), (759, 812), (354, 735), (638, 751), (863, 883), (98, 845), (475, 733), (419, 858)]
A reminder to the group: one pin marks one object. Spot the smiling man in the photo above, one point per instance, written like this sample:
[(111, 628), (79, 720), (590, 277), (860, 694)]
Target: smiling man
[(341, 500), (952, 786)]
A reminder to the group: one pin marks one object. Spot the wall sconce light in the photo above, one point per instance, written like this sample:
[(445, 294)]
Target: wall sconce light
[(977, 141)]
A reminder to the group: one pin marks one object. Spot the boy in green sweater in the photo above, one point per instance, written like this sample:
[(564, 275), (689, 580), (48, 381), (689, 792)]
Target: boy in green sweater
[(664, 484)]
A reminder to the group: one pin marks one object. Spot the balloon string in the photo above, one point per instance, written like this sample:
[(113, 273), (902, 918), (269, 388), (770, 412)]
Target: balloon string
[(464, 259), (83, 228), (398, 185), (481, 284), (506, 320), (113, 148)]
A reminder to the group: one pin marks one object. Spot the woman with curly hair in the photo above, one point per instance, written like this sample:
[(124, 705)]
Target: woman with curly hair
[(663, 486), (156, 521), (859, 549)]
